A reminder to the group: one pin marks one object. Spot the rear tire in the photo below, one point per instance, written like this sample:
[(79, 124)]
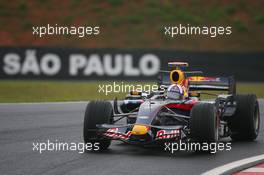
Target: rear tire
[(244, 124), (97, 112), (204, 123)]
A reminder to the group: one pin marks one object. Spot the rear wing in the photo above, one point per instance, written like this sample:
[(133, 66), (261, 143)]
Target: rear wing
[(212, 83), (203, 83)]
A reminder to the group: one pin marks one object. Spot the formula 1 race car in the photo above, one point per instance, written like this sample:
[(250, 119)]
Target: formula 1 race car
[(175, 112)]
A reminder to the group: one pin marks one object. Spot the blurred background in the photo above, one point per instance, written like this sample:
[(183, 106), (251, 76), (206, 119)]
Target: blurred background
[(135, 24), (129, 27)]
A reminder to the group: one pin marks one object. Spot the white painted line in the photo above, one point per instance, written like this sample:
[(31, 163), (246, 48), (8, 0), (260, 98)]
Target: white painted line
[(233, 165), (254, 170)]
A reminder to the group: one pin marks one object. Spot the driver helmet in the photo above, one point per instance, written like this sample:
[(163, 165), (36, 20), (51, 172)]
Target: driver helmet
[(175, 92)]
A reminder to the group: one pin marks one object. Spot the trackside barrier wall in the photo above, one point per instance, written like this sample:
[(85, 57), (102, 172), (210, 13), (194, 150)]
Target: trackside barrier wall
[(121, 64)]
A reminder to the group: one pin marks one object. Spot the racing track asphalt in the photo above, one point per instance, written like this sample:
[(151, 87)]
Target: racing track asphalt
[(22, 124)]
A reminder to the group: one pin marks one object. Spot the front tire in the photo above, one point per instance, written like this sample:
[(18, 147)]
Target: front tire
[(204, 123), (97, 112), (244, 124)]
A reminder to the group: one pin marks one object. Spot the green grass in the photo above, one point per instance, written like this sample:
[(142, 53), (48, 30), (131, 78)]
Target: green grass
[(52, 91), (22, 8), (115, 2), (42, 91), (239, 25), (255, 88), (259, 19), (4, 12)]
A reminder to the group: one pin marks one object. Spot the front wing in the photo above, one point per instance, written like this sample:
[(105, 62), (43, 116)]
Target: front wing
[(127, 134)]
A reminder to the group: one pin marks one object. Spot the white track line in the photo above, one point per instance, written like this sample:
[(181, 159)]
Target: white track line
[(234, 165)]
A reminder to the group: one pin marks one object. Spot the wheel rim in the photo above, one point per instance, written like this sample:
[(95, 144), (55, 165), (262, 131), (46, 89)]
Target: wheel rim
[(256, 119), (216, 128)]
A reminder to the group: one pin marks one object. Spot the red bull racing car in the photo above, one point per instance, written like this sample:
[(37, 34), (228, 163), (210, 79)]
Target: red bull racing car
[(175, 112)]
